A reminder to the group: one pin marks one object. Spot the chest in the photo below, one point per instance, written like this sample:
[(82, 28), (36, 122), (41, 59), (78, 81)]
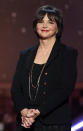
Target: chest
[(52, 71), (50, 78), (42, 57)]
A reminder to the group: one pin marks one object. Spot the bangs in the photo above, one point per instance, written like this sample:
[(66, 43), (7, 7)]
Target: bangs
[(51, 16)]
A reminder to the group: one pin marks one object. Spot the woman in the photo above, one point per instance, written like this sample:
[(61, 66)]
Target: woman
[(45, 77)]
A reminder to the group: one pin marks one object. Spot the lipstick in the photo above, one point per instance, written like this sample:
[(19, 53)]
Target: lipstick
[(44, 30)]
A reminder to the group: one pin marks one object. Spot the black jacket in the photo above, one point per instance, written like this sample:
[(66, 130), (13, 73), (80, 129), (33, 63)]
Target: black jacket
[(56, 84)]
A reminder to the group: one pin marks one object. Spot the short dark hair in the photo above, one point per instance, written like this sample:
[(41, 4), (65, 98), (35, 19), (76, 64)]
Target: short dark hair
[(53, 14)]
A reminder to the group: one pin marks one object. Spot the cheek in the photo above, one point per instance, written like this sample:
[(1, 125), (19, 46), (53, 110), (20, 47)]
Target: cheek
[(53, 27), (38, 26), (37, 29)]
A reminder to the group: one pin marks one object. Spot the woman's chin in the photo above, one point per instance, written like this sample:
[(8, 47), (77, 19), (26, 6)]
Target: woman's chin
[(44, 37)]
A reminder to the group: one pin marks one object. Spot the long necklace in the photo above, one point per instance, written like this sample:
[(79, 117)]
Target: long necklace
[(31, 83)]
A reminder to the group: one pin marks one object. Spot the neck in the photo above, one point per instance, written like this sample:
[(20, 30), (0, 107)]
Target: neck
[(47, 43)]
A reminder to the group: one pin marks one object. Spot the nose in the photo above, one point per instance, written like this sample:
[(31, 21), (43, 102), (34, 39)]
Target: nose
[(44, 25)]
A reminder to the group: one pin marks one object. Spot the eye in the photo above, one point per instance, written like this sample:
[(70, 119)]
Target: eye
[(51, 22), (40, 21)]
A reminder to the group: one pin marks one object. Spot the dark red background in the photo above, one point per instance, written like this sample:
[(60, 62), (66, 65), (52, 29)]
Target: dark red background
[(16, 31)]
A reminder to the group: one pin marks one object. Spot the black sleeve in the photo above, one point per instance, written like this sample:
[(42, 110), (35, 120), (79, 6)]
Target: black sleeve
[(69, 75), (16, 92)]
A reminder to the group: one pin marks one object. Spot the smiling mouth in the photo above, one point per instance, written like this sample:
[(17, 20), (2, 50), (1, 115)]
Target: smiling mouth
[(44, 30)]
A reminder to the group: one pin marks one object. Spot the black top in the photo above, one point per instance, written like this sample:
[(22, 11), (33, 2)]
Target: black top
[(35, 74)]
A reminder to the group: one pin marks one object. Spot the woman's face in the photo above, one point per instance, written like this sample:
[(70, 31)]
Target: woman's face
[(46, 28)]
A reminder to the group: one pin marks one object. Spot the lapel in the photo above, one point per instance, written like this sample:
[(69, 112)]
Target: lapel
[(31, 56), (54, 53)]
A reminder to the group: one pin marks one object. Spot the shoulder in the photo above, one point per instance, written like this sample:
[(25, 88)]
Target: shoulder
[(68, 50), (26, 51)]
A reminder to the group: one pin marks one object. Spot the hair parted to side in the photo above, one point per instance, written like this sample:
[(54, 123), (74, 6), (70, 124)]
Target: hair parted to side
[(53, 13)]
